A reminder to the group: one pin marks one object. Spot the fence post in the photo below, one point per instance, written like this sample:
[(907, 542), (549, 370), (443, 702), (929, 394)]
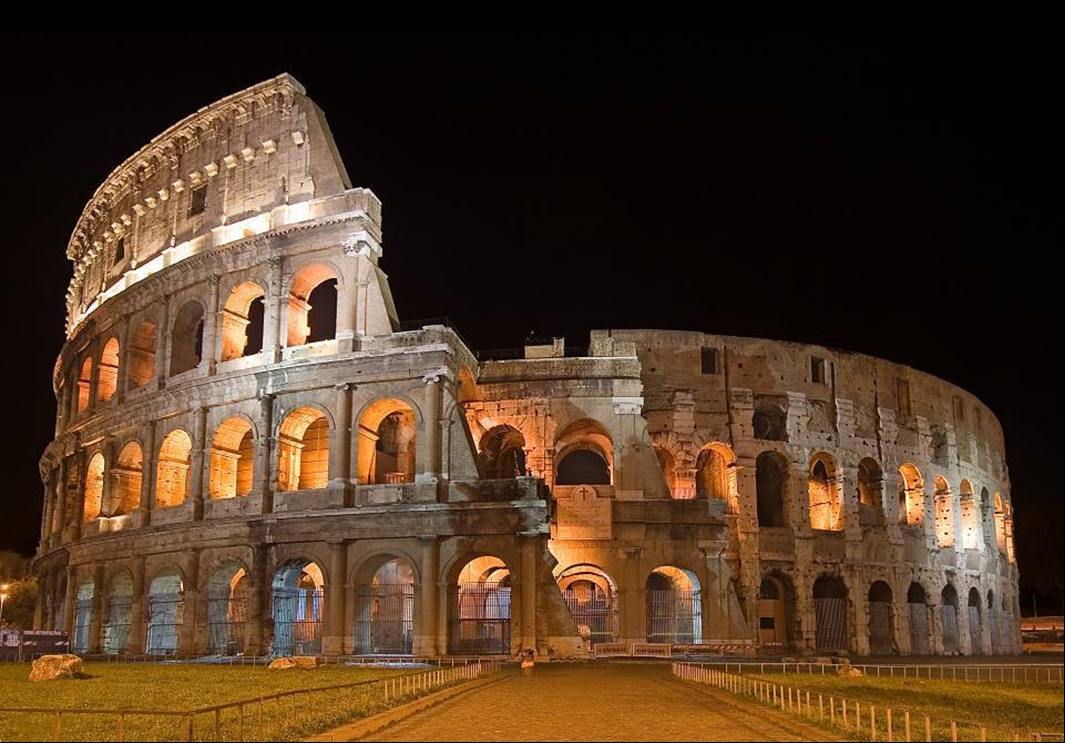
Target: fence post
[(240, 725), (872, 722), (832, 710), (927, 728), (890, 734), (954, 730), (118, 727), (56, 725), (820, 707), (844, 713)]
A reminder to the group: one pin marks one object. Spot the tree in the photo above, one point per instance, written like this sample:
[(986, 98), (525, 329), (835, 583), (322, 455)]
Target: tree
[(20, 603)]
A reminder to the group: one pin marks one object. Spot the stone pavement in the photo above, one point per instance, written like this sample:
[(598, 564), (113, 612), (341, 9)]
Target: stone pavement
[(594, 701)]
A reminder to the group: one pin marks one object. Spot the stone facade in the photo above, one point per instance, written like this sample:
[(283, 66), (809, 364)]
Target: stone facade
[(232, 471)]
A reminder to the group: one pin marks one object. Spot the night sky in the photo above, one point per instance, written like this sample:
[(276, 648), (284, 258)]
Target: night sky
[(898, 195)]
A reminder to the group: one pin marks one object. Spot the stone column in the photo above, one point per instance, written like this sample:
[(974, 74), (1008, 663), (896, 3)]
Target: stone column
[(94, 378), (336, 599), (210, 325), (188, 641), (106, 506), (425, 633), (632, 599), (69, 601), (49, 505), (96, 622), (40, 606), (136, 609), (162, 346), (61, 503), (122, 383), (340, 447), (257, 597), (79, 498), (266, 464), (201, 451), (348, 302), (272, 312), (530, 541), (433, 404), (149, 473)]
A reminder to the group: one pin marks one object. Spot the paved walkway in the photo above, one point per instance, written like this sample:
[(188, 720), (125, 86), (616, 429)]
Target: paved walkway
[(592, 701)]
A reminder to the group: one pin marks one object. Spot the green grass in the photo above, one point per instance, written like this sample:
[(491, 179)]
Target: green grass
[(148, 686), (1026, 707)]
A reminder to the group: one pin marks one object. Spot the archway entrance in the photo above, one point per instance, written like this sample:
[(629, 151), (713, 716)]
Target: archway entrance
[(881, 622), (298, 608), (166, 609), (227, 609), (830, 610), (976, 635), (384, 622), (592, 598), (119, 614), (773, 613), (918, 601), (948, 611), (674, 606), (479, 609), (83, 616)]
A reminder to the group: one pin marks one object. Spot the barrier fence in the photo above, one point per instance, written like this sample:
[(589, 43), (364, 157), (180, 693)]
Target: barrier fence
[(857, 718), (999, 673), (269, 717)]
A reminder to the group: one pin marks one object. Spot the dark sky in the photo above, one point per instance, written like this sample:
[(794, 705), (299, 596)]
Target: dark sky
[(897, 194)]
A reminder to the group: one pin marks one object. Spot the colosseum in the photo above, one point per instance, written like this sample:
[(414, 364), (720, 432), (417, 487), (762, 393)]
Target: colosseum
[(254, 455)]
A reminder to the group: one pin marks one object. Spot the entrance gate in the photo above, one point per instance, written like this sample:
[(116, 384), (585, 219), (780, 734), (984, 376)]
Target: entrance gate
[(386, 619), (880, 640), (831, 615), (297, 621), (226, 617), (594, 611), (480, 619)]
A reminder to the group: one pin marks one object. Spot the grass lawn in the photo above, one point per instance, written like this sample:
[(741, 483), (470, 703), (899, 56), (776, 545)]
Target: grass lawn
[(150, 686), (1030, 707)]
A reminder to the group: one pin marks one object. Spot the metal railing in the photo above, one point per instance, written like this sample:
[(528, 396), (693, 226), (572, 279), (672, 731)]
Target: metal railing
[(974, 672), (879, 722), (267, 717)]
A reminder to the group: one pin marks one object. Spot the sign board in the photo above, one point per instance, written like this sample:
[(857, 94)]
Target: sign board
[(584, 515)]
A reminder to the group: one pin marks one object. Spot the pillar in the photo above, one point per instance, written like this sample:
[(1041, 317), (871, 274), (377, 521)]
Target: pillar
[(210, 325), (49, 505), (106, 506), (336, 599), (41, 604), (96, 621), (62, 497), (69, 601), (123, 363), (530, 541), (149, 473), (632, 599), (266, 463), (272, 312), (162, 345), (429, 465), (257, 588), (136, 610), (340, 447), (79, 497), (94, 378), (348, 303), (425, 635), (188, 641), (201, 451)]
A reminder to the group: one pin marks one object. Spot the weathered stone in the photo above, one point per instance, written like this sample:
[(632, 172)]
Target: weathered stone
[(299, 662), (52, 667)]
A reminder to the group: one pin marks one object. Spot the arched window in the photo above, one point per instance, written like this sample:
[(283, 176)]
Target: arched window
[(232, 454), (584, 454), (186, 338), (108, 372), (298, 608), (715, 475), (142, 355), (312, 304), (94, 487), (870, 493), (242, 321), (771, 482), (174, 459), (1000, 523), (826, 502), (84, 385), (583, 467), (128, 476), (674, 606), (384, 622), (502, 453), (479, 608), (944, 502), (770, 423), (911, 496), (303, 450), (387, 443), (970, 518)]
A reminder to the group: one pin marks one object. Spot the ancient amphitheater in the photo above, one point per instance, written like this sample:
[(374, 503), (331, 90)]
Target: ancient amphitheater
[(254, 455)]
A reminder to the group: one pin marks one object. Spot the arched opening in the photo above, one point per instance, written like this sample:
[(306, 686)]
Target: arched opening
[(911, 496), (384, 615), (870, 493), (173, 478), (141, 356), (674, 606), (592, 597), (976, 634), (881, 619), (242, 321), (995, 617), (948, 608), (830, 613), (94, 488), (303, 451), (502, 453), (127, 477), (584, 454), (119, 614), (232, 456), (186, 338), (479, 608), (166, 611), (770, 423), (83, 615), (387, 443), (917, 599), (84, 385), (944, 507), (227, 609), (298, 608), (776, 598), (771, 478), (715, 475), (826, 500), (107, 373), (1000, 524), (970, 517), (312, 305), (668, 465)]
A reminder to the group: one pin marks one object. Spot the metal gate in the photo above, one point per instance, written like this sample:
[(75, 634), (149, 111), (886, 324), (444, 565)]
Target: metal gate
[(996, 632), (949, 630), (831, 615), (674, 616), (385, 619), (82, 623), (226, 618), (480, 619), (297, 614), (116, 631), (881, 641), (165, 614), (975, 636), (595, 611), (919, 644)]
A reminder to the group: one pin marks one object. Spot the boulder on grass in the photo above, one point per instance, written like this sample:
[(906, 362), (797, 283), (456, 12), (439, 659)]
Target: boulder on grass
[(849, 670), (52, 667), (302, 662)]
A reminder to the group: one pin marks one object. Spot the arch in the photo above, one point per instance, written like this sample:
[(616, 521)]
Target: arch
[(715, 475), (303, 450), (298, 608), (1000, 523), (668, 467), (769, 422), (948, 610), (83, 602), (502, 453), (119, 613), (592, 597), (830, 612), (166, 611), (84, 385), (173, 470), (232, 459), (227, 608), (384, 607), (881, 619), (479, 608), (127, 478), (94, 488), (141, 355), (186, 337), (970, 517), (305, 324), (385, 451), (107, 371), (870, 493), (240, 335), (944, 509), (826, 500), (771, 484), (674, 606), (911, 496), (584, 454), (976, 632), (776, 612)]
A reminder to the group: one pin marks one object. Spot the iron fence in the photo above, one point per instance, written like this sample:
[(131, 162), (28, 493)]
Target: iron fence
[(480, 619), (385, 619), (974, 672)]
